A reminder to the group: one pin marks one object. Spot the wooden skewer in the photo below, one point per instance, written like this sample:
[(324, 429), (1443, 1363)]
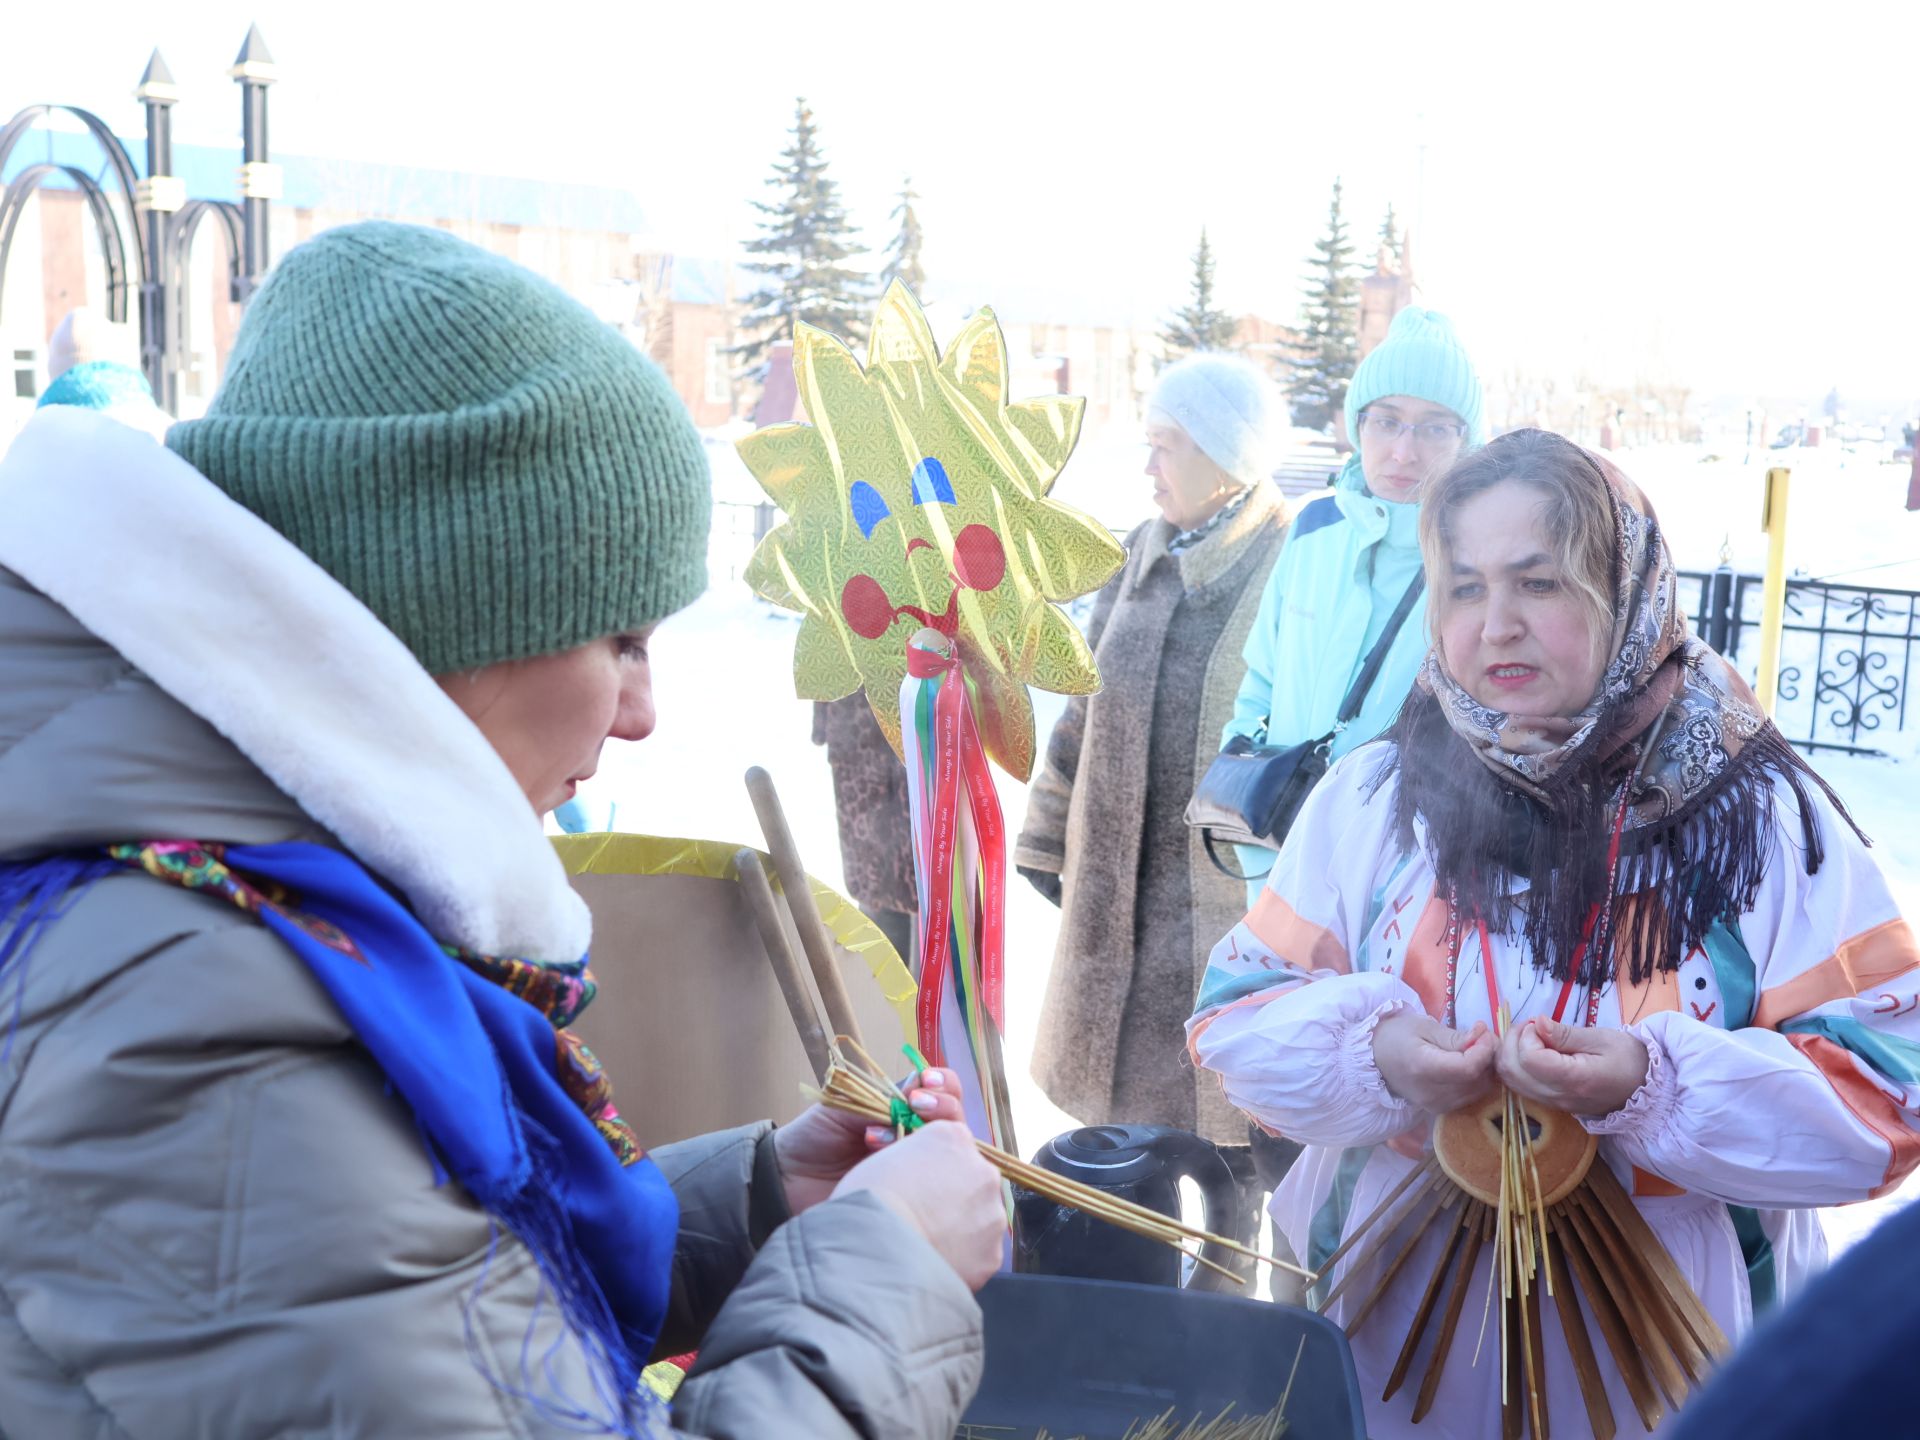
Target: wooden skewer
[(1631, 1293), (1586, 1366), (1633, 1226), (786, 965), (1536, 1365), (1361, 1262), (1427, 1300), (1654, 1299), (866, 1093), (1427, 1168), (1613, 1325), (1513, 1392), (1438, 1200), (814, 939), (1456, 1301)]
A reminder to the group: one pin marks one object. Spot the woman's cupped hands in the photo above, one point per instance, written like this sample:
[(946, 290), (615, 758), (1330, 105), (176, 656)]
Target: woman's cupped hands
[(1436, 1068)]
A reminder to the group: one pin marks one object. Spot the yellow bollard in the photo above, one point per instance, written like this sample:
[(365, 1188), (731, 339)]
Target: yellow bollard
[(1773, 594)]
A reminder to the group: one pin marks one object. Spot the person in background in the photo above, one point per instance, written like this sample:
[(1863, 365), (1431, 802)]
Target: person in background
[(870, 803), (1414, 406), (93, 363), (294, 1136), (1105, 835)]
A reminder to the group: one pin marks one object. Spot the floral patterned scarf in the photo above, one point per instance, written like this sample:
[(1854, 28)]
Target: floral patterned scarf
[(1662, 683), (1673, 753)]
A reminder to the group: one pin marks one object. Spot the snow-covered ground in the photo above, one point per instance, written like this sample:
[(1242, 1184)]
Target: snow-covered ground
[(723, 676)]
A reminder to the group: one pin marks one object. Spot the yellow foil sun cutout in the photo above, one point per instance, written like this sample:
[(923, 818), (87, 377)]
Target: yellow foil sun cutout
[(918, 497)]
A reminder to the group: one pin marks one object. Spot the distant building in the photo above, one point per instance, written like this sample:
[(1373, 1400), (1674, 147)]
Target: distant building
[(592, 241), (1385, 293)]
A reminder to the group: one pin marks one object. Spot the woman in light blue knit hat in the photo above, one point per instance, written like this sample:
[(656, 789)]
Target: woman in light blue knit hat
[(1105, 834), (1414, 407)]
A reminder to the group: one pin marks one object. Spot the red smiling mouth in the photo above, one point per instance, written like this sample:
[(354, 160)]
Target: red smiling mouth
[(979, 563)]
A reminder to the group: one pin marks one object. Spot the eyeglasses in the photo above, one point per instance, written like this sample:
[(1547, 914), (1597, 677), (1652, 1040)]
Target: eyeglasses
[(1427, 434)]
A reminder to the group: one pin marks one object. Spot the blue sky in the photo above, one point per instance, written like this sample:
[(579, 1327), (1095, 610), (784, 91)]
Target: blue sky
[(1722, 196)]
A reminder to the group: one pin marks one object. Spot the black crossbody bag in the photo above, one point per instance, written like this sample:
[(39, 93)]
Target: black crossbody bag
[(1252, 791)]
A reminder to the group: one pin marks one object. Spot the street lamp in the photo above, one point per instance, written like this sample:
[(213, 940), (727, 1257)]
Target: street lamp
[(160, 218)]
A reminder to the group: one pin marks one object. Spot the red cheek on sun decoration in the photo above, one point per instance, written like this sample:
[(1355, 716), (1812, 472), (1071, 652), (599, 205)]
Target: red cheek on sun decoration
[(979, 561), (865, 606)]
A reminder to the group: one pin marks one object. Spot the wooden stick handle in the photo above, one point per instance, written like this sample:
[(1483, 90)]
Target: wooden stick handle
[(786, 964), (800, 904)]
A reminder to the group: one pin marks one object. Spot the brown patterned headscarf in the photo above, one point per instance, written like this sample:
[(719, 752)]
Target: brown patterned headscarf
[(1673, 736)]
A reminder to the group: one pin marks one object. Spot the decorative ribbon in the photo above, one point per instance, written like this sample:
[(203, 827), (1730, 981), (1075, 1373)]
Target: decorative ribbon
[(959, 759)]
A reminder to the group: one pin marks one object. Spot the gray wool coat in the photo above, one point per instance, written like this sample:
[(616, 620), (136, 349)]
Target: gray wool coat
[(217, 1219), (1141, 905)]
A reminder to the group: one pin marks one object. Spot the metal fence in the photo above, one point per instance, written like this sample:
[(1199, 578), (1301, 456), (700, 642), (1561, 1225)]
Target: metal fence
[(1846, 654)]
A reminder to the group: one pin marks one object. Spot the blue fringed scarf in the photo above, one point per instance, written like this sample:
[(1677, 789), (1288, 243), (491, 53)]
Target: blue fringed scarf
[(509, 1102)]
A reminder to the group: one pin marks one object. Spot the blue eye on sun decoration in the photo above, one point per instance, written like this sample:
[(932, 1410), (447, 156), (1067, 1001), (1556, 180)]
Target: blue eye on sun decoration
[(868, 508), (930, 486), (930, 483)]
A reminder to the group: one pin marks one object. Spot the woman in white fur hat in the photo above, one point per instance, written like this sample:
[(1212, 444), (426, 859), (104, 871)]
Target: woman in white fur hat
[(1105, 835)]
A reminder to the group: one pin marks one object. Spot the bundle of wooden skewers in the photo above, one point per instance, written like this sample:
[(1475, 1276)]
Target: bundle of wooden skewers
[(1524, 1179), (855, 1084)]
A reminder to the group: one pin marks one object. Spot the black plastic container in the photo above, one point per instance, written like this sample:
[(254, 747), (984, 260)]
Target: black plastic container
[(1091, 1357)]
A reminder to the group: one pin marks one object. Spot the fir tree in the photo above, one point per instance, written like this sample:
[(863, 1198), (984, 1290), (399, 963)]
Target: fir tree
[(1197, 325), (1391, 237), (805, 239), (1330, 322), (903, 255)]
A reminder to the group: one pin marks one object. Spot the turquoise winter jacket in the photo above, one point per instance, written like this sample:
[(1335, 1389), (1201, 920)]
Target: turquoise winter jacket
[(1348, 559)]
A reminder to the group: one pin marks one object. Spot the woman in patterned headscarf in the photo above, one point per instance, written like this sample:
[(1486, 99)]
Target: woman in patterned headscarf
[(1583, 812)]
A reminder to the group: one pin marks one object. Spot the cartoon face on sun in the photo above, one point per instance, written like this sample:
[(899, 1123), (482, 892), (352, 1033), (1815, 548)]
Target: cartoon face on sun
[(917, 499)]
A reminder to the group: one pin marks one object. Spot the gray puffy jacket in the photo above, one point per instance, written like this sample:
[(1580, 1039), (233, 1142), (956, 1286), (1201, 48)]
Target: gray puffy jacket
[(214, 1221)]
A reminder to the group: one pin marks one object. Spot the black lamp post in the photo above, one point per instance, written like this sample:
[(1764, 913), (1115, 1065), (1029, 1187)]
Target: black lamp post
[(158, 215)]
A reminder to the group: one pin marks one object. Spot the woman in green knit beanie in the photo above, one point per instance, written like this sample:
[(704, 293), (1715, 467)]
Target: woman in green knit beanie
[(281, 706)]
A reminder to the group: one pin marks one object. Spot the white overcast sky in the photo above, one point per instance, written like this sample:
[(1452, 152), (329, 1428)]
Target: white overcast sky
[(1725, 195)]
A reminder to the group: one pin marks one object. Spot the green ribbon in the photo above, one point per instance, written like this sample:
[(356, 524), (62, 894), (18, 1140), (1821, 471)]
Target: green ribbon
[(899, 1112)]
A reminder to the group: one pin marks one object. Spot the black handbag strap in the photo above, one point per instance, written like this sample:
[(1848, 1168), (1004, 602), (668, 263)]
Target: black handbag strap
[(1213, 854), (1376, 657)]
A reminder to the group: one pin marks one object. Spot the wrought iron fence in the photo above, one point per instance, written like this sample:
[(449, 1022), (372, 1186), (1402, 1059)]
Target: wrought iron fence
[(1846, 654)]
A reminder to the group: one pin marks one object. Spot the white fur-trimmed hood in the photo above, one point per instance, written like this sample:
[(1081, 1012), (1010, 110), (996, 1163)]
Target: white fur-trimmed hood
[(239, 626)]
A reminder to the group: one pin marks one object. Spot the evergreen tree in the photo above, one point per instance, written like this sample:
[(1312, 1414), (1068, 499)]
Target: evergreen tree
[(805, 239), (1391, 237), (1197, 325), (903, 255), (1330, 325)]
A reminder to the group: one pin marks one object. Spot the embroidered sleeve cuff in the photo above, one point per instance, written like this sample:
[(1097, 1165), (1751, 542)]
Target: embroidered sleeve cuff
[(1355, 1063), (1646, 1111)]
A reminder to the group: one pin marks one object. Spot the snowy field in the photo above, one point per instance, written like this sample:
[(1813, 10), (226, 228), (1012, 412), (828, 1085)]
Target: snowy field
[(722, 673)]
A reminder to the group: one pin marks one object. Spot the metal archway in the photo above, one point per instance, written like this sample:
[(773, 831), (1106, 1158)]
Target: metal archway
[(115, 154), (106, 225), (186, 226)]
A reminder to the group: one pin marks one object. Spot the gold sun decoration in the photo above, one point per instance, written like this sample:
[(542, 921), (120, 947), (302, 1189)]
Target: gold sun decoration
[(918, 498)]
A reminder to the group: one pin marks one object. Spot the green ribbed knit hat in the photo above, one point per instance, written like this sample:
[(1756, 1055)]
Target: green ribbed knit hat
[(493, 472)]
